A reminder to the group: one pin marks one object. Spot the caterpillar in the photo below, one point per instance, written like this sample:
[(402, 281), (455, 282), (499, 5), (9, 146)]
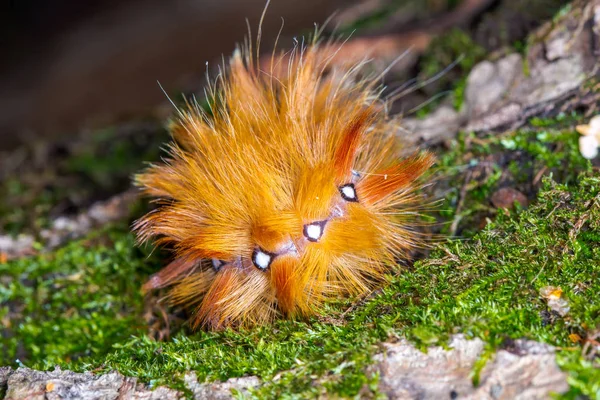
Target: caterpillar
[(287, 193)]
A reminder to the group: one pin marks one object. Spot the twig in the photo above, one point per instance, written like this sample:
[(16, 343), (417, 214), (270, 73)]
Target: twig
[(461, 201)]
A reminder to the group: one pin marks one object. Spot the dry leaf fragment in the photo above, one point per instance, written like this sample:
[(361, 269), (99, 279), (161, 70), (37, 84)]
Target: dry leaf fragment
[(555, 300)]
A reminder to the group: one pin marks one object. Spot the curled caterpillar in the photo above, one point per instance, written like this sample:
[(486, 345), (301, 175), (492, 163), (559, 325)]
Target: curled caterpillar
[(289, 193)]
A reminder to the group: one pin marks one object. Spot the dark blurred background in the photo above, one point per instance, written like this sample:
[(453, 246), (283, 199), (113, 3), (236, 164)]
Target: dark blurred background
[(70, 62)]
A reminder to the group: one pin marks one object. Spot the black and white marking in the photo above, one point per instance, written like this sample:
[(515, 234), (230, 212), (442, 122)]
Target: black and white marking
[(314, 230), (217, 264), (262, 259), (348, 192)]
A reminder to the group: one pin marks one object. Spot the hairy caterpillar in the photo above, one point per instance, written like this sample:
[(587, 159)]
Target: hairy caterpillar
[(289, 194)]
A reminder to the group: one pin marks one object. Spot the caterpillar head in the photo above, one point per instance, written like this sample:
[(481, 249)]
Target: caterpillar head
[(290, 194)]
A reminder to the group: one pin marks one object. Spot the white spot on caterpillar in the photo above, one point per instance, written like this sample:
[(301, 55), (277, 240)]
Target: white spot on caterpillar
[(314, 231), (348, 192), (261, 259)]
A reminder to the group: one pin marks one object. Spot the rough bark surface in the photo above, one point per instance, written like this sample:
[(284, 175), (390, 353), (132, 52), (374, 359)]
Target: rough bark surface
[(25, 383), (526, 370), (523, 370), (220, 390), (65, 229), (557, 73)]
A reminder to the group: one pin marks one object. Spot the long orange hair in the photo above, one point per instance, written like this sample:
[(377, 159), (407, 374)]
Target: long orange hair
[(288, 193)]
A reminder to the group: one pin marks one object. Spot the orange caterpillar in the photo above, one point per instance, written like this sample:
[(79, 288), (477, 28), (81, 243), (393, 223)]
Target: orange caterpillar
[(290, 194)]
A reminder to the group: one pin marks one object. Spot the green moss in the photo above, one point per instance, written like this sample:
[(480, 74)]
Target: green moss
[(445, 49), (454, 46), (584, 374), (488, 287), (80, 307), (76, 302), (475, 167)]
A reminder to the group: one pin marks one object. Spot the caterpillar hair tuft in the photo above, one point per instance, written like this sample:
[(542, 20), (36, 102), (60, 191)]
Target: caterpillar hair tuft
[(289, 193)]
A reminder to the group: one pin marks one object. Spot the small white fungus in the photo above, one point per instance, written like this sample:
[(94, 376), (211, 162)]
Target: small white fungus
[(590, 139), (588, 146)]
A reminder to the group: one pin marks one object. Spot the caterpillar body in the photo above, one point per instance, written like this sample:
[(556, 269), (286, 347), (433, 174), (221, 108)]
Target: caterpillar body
[(289, 193)]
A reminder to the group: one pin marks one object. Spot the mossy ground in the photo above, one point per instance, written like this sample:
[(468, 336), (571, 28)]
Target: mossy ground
[(76, 302), (46, 180), (473, 168), (80, 307)]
